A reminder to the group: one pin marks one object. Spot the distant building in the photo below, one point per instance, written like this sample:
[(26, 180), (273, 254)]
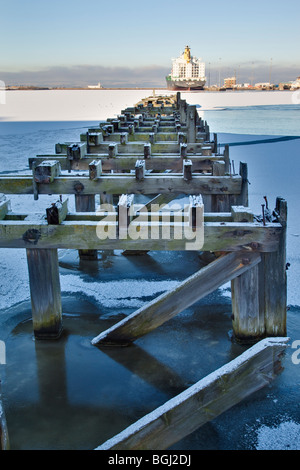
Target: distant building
[(95, 86), (242, 86), (230, 82), (263, 85), (284, 86)]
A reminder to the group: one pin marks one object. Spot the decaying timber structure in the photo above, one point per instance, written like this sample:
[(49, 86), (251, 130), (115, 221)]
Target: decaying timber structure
[(162, 149)]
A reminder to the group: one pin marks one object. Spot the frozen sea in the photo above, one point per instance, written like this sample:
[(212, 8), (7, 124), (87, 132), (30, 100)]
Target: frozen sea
[(99, 393)]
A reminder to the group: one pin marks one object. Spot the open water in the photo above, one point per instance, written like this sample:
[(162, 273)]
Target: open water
[(71, 395)]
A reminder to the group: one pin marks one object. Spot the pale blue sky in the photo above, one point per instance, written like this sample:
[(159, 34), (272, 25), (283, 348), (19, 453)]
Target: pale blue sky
[(36, 35)]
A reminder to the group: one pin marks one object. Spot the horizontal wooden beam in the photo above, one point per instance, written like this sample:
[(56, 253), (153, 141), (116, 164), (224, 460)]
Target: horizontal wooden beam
[(169, 304), (160, 200), (121, 184), (101, 235), (205, 400), (127, 162)]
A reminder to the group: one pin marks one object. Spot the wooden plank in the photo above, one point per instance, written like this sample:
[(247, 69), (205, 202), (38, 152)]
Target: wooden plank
[(126, 161), (122, 184), (218, 236), (205, 400), (169, 304)]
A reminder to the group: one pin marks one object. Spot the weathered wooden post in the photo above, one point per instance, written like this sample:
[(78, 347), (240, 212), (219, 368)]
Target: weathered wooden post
[(187, 170), (219, 202), (215, 147), (242, 199), (191, 123), (273, 279), (247, 315), (183, 111), (4, 439), (259, 296), (147, 150), (86, 203), (226, 158), (45, 292), (140, 169)]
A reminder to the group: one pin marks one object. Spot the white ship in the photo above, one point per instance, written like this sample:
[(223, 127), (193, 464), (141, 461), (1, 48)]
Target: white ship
[(188, 72)]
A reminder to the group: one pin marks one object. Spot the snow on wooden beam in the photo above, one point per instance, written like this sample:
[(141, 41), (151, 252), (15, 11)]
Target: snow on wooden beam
[(91, 234), (125, 163), (121, 184), (205, 400), (169, 304)]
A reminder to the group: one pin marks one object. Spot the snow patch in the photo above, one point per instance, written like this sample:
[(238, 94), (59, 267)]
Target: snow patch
[(286, 436)]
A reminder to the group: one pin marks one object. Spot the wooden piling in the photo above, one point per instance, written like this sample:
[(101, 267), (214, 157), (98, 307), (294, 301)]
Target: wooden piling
[(86, 203), (45, 293), (191, 123), (273, 279), (247, 318), (4, 438)]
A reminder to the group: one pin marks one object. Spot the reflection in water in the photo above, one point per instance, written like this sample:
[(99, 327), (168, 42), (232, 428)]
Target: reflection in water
[(68, 394)]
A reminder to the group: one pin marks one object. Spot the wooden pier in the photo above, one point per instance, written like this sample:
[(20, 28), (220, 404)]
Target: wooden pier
[(159, 148)]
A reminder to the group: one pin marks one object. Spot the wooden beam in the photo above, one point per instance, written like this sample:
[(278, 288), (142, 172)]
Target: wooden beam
[(120, 163), (169, 304), (218, 236), (205, 400), (122, 184)]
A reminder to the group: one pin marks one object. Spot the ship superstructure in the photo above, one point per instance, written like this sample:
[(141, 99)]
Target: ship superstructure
[(188, 72)]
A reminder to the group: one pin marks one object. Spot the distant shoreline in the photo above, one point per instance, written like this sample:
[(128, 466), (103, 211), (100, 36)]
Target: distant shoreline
[(209, 90), (90, 105)]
